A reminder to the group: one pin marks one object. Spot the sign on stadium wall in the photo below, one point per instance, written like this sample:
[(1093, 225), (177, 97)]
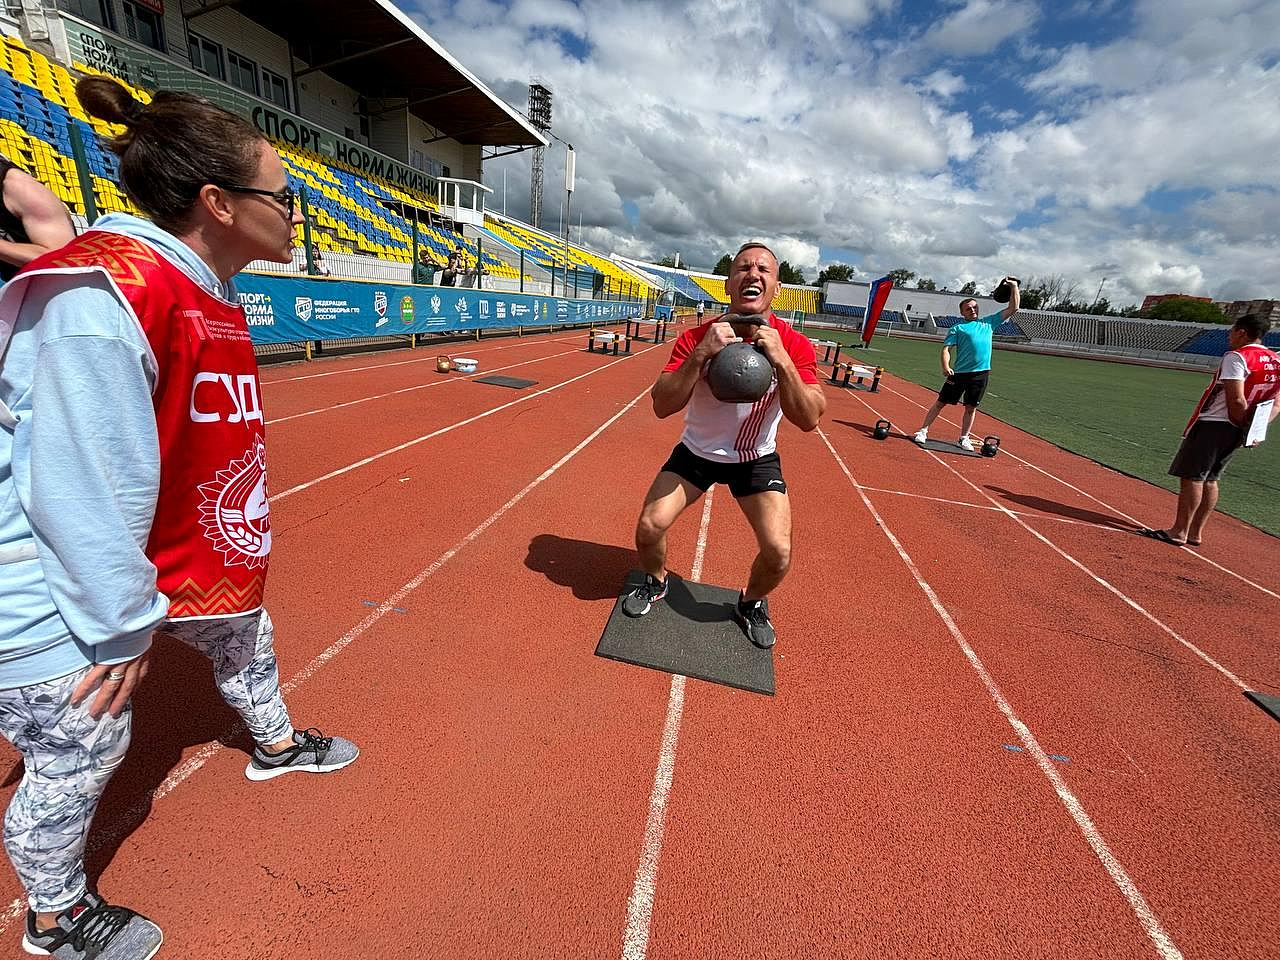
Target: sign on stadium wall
[(141, 67), (293, 309)]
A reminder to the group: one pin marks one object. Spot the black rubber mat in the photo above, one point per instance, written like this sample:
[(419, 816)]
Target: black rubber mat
[(691, 632), (1266, 701), (500, 381), (942, 446)]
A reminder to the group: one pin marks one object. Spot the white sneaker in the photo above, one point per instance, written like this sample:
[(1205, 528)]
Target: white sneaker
[(920, 436), (966, 444)]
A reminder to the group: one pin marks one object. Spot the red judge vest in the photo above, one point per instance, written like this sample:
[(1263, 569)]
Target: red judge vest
[(1263, 382), (211, 537)]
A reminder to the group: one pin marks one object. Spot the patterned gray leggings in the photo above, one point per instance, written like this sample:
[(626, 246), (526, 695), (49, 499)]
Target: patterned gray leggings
[(69, 756)]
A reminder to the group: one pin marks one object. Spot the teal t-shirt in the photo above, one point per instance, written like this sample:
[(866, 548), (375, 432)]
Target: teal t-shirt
[(972, 341)]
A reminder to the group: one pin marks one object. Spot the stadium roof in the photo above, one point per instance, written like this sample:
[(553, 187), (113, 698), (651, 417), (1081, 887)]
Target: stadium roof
[(372, 47)]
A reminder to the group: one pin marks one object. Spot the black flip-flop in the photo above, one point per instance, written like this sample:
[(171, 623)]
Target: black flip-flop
[(1163, 537)]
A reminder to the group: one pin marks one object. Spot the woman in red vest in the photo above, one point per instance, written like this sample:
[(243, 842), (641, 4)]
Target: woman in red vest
[(134, 442)]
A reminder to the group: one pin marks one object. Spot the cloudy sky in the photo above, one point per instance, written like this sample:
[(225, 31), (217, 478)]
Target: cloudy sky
[(962, 139)]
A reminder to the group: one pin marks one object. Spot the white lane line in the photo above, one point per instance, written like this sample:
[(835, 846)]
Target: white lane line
[(981, 506), (1133, 604), (453, 426), (1111, 507), (428, 359), (1160, 939), (635, 941), (419, 386), (106, 834)]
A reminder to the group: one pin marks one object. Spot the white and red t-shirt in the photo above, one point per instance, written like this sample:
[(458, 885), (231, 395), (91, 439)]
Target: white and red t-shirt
[(737, 432)]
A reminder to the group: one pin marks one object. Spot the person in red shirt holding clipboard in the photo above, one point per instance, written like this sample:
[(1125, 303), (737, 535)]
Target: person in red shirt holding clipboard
[(731, 443), (1234, 412)]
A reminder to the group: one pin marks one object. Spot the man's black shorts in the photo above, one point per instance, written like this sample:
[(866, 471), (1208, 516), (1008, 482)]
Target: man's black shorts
[(969, 387), (1205, 450), (743, 479)]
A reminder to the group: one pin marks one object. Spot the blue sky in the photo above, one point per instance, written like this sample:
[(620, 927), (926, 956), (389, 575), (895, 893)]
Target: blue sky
[(961, 139)]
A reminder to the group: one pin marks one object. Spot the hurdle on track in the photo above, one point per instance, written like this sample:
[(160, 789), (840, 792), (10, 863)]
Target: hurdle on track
[(858, 373), (607, 339), (659, 325)]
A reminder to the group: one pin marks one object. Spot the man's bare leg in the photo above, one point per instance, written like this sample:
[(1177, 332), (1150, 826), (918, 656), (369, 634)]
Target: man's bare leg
[(1189, 499), (966, 422), (667, 498), (1208, 502), (769, 514)]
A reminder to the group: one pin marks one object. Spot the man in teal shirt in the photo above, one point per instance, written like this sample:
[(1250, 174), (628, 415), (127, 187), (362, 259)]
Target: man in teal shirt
[(967, 378)]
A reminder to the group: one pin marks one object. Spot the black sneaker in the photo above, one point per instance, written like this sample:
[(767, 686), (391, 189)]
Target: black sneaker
[(638, 601), (92, 929), (754, 618), (311, 753)]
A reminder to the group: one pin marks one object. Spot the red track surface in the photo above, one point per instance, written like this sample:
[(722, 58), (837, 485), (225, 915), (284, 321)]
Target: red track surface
[(440, 604)]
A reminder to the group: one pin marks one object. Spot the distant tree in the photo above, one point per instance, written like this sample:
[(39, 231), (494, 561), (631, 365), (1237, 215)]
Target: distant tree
[(836, 273), (721, 268), (1193, 311), (970, 289), (789, 274), (926, 283), (901, 276), (1050, 292), (667, 261)]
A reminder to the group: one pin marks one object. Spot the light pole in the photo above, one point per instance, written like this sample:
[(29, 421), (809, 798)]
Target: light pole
[(570, 162)]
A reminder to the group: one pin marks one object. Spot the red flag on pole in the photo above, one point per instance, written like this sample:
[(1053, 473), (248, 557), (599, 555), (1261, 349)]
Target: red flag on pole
[(877, 297)]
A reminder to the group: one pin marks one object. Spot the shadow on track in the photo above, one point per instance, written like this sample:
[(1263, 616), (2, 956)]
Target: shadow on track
[(1063, 510), (594, 571)]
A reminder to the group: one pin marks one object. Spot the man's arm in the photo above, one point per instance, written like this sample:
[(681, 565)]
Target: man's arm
[(43, 216), (946, 360), (1014, 299), (802, 403), (1237, 406)]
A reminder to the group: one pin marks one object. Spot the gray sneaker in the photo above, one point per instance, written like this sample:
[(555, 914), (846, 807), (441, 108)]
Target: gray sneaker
[(92, 929), (754, 620), (311, 753), (638, 601)]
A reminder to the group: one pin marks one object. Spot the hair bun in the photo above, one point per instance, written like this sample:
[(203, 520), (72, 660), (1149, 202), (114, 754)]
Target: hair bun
[(133, 111)]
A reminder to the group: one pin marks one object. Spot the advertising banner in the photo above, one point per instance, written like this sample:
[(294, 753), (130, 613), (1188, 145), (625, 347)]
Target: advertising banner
[(293, 309)]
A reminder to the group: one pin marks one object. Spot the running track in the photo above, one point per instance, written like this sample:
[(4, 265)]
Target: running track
[(1005, 725)]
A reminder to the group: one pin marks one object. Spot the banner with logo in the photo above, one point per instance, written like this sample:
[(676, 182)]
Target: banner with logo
[(292, 309)]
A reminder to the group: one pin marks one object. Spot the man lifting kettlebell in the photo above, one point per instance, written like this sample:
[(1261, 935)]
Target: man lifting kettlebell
[(733, 443)]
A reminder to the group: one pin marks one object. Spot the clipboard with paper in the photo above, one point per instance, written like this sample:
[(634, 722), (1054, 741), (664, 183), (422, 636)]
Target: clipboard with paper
[(1256, 432)]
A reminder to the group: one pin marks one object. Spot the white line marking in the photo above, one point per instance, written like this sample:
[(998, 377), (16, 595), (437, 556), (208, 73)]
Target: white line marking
[(1151, 924), (1111, 507), (635, 941), (430, 359), (1133, 604), (454, 426), (418, 386), (108, 834)]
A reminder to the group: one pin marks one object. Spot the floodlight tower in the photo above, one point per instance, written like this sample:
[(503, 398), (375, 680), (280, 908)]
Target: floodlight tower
[(540, 117)]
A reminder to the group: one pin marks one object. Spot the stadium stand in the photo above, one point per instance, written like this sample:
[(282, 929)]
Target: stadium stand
[(1213, 342), (1058, 327), (1147, 334)]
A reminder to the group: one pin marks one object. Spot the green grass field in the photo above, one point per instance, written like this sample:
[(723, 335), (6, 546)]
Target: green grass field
[(1126, 416)]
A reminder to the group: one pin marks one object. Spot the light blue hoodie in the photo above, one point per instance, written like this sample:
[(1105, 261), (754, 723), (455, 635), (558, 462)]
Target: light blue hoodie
[(80, 471)]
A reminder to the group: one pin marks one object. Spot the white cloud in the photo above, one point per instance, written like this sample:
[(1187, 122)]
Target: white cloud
[(980, 26), (791, 122)]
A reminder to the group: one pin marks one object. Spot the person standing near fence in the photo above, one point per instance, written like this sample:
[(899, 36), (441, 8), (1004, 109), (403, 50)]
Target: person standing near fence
[(133, 496), (32, 220), (1248, 375)]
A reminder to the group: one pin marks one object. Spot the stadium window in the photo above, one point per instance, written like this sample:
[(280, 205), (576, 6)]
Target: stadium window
[(95, 11), (206, 56), (145, 26), (275, 88), (242, 72)]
